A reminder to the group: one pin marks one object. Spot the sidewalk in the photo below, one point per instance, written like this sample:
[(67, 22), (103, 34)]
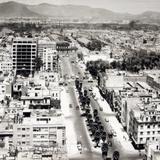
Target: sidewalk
[(70, 133), (122, 137), (70, 130)]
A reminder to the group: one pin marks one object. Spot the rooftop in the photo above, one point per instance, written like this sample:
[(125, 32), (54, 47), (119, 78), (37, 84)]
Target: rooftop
[(44, 117)]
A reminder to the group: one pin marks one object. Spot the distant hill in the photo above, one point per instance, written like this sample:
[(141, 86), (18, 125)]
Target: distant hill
[(76, 12), (149, 17), (13, 9)]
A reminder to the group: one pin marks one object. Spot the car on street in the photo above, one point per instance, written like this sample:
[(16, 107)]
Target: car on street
[(90, 81), (106, 119), (100, 108), (90, 89), (114, 133), (83, 114), (79, 145)]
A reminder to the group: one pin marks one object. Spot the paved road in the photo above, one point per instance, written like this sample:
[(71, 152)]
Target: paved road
[(94, 104), (78, 121), (74, 69)]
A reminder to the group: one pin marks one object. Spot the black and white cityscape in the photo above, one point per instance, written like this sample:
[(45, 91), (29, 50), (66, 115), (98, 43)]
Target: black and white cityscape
[(80, 80)]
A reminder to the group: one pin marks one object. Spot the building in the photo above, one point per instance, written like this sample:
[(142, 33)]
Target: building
[(6, 65), (44, 44), (40, 97), (152, 150), (44, 129), (144, 124), (49, 59), (5, 89), (24, 53), (62, 46)]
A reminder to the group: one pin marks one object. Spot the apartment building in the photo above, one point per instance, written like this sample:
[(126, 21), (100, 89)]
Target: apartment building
[(43, 129), (144, 124), (44, 44), (24, 52), (6, 65), (49, 59)]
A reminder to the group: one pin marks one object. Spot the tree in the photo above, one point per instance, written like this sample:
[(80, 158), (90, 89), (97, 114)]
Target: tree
[(38, 63), (103, 136), (55, 103), (8, 100), (94, 128), (89, 117), (116, 155), (132, 24), (85, 92), (77, 83), (104, 150), (97, 136), (95, 112), (90, 123), (80, 56), (88, 101)]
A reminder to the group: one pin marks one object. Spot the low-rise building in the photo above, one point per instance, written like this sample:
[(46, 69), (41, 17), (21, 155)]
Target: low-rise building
[(44, 129)]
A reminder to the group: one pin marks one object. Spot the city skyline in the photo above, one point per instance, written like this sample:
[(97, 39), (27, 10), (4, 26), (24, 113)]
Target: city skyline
[(123, 6)]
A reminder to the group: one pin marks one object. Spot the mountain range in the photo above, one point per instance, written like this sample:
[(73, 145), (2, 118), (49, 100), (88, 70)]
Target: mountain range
[(14, 9)]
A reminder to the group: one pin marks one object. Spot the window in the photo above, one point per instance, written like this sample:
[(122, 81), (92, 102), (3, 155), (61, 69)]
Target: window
[(141, 126), (23, 129), (141, 139), (148, 132), (148, 126), (153, 132), (23, 135), (158, 132), (141, 133)]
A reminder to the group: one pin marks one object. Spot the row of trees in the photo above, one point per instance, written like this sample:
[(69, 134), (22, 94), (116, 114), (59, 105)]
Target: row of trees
[(93, 121), (139, 61), (94, 67)]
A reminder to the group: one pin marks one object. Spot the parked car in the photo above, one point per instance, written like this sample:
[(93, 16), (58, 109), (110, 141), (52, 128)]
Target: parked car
[(79, 145), (83, 114), (77, 107)]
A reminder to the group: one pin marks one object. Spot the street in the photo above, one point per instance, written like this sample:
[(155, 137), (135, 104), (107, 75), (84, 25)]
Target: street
[(74, 69), (77, 120)]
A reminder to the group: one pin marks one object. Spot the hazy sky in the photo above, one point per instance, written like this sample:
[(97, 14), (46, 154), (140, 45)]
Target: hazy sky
[(130, 6)]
